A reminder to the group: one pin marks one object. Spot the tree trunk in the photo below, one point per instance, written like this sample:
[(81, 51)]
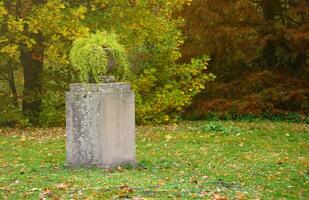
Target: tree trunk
[(269, 53), (269, 14), (32, 62), (9, 67), (12, 84)]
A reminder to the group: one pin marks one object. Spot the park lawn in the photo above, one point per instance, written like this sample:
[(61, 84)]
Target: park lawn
[(191, 160)]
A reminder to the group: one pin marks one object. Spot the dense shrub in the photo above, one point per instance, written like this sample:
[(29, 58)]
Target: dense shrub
[(10, 115), (162, 97), (97, 55), (261, 94)]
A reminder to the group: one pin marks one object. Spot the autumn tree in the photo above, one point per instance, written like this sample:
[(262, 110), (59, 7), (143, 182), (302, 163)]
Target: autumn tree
[(259, 51), (284, 33), (36, 32), (241, 34)]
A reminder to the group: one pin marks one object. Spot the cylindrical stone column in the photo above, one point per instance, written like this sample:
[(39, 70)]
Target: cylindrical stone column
[(100, 125)]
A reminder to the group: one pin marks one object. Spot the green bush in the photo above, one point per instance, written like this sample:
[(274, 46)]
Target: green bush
[(53, 105), (10, 115), (98, 54), (51, 114), (219, 127), (162, 97)]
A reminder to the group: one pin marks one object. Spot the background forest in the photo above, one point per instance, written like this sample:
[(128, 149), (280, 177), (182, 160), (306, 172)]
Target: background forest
[(189, 58)]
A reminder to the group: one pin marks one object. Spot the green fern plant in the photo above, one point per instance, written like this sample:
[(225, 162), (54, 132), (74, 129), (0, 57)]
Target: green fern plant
[(97, 55)]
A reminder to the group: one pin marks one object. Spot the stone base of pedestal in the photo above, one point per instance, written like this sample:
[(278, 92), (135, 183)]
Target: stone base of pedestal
[(100, 125), (132, 164)]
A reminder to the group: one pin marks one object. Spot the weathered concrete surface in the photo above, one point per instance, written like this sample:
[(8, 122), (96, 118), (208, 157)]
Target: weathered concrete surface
[(100, 125)]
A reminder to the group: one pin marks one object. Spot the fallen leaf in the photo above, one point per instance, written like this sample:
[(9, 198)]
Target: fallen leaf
[(168, 137), (219, 197), (240, 196), (61, 186), (45, 193)]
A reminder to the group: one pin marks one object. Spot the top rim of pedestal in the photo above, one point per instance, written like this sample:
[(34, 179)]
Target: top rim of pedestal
[(100, 87)]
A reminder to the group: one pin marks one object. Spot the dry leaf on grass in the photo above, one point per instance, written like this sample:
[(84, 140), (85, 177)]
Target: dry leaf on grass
[(219, 197), (61, 186)]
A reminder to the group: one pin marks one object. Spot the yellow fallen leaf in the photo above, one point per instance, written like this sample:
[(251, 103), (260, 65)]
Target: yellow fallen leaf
[(61, 186), (168, 137)]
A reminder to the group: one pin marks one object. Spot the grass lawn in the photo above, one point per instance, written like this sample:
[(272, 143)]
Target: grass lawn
[(193, 160)]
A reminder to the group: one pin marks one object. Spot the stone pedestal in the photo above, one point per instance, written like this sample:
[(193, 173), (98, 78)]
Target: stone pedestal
[(100, 125)]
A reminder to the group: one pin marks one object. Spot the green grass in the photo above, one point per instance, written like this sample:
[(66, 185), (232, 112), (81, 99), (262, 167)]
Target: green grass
[(194, 160)]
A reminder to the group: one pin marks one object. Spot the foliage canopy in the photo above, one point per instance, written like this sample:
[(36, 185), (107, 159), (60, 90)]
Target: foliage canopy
[(38, 36)]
